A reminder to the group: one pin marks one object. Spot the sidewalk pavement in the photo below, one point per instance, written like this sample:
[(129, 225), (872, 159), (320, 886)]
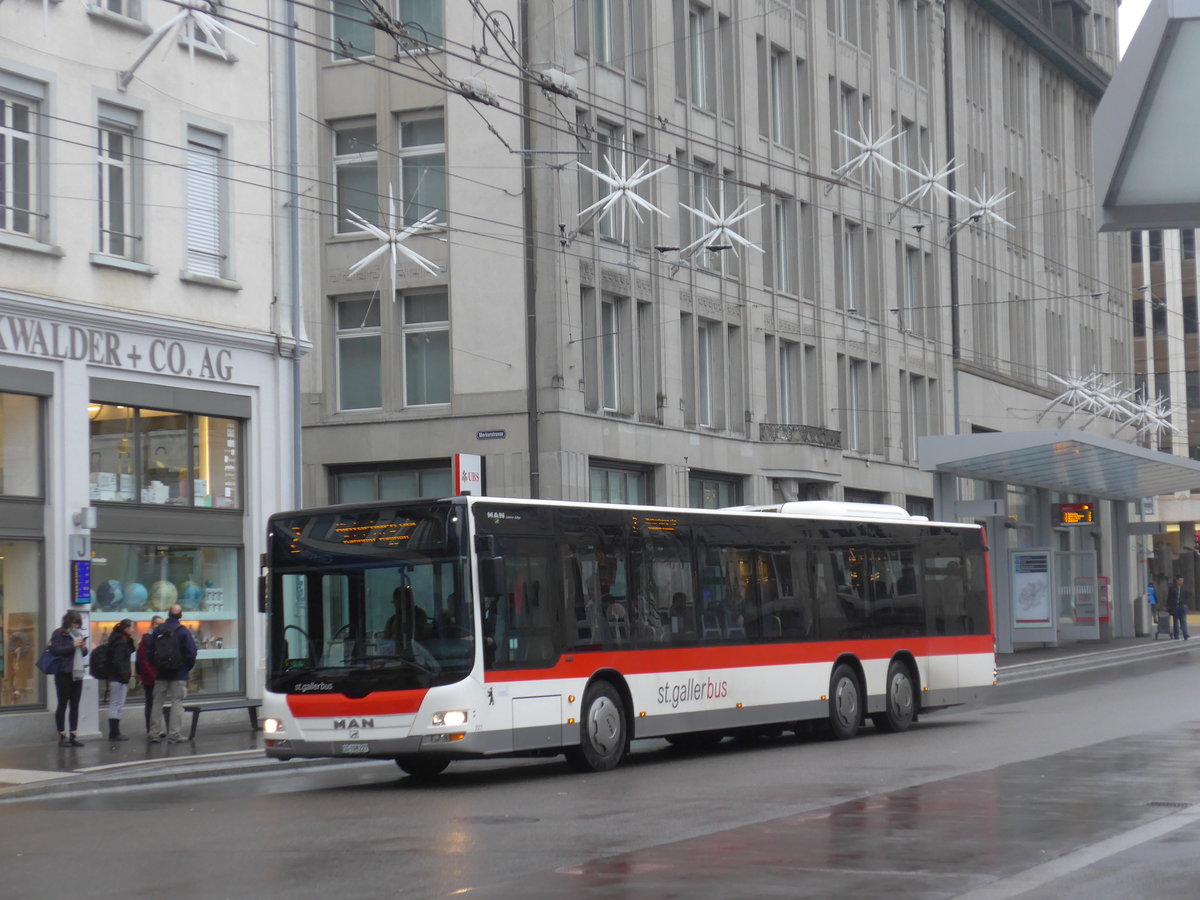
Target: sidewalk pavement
[(31, 770)]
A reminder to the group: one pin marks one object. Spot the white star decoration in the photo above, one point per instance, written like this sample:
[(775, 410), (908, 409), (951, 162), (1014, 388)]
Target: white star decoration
[(623, 189), (983, 209), (196, 16), (392, 241), (928, 180), (870, 151), (1099, 396), (722, 229)]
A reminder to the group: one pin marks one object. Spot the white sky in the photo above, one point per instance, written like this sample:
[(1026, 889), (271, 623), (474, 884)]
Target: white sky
[(1128, 16)]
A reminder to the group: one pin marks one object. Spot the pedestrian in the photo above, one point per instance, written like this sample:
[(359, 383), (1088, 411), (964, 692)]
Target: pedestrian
[(1152, 598), (69, 642), (1177, 602), (172, 663), (120, 659), (145, 668)]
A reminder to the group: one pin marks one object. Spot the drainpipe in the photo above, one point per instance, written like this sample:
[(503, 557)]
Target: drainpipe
[(948, 79), (294, 252), (530, 265)]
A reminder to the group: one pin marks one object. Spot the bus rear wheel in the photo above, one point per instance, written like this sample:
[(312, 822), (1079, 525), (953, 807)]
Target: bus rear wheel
[(901, 707), (603, 731), (422, 766), (845, 703)]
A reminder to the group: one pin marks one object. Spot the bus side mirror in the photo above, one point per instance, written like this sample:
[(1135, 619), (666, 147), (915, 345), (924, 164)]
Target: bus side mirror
[(262, 593), (492, 576)]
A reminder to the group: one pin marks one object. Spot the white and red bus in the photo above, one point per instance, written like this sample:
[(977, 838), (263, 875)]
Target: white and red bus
[(471, 627)]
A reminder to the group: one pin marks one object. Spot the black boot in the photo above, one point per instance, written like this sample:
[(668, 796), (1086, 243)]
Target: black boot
[(114, 730)]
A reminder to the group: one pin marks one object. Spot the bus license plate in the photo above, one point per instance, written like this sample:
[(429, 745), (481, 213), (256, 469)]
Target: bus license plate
[(356, 749)]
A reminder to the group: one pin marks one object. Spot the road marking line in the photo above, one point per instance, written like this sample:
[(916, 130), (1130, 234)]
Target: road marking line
[(1042, 875), (198, 757), (29, 776)]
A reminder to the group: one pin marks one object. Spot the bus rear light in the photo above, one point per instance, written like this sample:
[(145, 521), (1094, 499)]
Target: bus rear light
[(450, 718), (272, 726)]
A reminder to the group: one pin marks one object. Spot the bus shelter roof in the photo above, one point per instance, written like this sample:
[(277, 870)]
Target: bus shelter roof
[(1068, 461), (1147, 125)]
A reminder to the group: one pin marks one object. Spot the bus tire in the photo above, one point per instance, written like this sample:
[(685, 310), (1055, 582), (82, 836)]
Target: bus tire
[(845, 703), (422, 767), (603, 730), (901, 706)]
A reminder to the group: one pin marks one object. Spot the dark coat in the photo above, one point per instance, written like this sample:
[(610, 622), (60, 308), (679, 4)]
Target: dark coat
[(120, 657), (145, 665), (174, 630)]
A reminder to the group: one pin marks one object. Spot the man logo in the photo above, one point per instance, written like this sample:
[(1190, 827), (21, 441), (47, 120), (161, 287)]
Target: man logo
[(353, 723)]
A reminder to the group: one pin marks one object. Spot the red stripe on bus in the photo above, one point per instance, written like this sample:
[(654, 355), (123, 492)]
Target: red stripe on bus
[(644, 662), (380, 703)]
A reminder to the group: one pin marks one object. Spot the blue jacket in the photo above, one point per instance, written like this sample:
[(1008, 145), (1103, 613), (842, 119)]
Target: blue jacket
[(173, 629)]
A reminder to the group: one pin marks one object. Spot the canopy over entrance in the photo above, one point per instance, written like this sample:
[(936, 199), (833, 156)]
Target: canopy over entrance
[(1147, 126), (1067, 461)]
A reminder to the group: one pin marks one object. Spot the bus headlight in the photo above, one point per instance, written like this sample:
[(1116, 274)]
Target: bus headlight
[(451, 718), (272, 726)]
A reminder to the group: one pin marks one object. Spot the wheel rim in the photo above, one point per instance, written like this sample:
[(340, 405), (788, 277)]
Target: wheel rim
[(846, 702), (604, 726), (901, 696)]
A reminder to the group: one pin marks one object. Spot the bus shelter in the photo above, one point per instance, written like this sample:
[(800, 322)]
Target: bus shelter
[(1062, 509)]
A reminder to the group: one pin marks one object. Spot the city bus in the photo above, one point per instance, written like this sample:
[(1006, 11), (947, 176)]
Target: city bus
[(427, 631)]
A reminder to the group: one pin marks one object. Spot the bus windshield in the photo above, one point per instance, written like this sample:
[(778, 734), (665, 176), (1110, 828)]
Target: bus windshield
[(368, 602)]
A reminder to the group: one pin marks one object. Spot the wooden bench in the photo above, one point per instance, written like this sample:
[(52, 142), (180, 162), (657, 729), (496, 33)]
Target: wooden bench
[(251, 706)]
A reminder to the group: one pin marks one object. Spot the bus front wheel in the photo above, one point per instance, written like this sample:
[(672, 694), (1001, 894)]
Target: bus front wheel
[(603, 732), (901, 700), (422, 766), (845, 703)]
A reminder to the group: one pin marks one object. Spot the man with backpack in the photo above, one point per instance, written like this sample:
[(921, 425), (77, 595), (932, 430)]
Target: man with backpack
[(173, 653)]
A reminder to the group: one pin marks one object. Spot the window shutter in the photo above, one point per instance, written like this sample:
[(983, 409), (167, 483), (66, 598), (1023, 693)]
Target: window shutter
[(203, 185)]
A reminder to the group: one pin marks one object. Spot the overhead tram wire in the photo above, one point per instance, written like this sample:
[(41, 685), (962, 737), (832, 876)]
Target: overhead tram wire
[(740, 152)]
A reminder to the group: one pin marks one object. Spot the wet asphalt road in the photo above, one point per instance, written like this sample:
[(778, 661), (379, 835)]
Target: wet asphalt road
[(1077, 786)]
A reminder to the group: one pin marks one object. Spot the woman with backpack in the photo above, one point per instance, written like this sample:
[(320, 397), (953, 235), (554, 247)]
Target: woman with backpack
[(69, 643), (145, 668), (120, 656)]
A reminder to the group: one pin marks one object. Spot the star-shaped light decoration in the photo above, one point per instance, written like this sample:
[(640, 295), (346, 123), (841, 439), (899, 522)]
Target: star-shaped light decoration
[(983, 209), (870, 152), (392, 241), (1153, 418), (622, 189), (197, 17), (928, 180), (722, 228)]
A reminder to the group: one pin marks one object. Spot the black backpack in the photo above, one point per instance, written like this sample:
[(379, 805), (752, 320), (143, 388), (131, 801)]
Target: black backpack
[(167, 657), (99, 665)]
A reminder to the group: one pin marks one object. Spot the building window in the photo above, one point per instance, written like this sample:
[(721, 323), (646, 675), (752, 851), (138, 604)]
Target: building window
[(700, 55), (21, 615), (355, 173), (352, 30), (422, 155), (606, 31), (904, 52), (164, 457), (359, 354), (843, 18), (204, 202), (20, 446), (116, 157), (130, 9), (610, 354), (849, 251), (19, 156), (609, 147), (422, 19), (706, 366), (710, 491), (781, 98), (426, 329), (787, 384), (783, 244), (364, 484), (619, 484), (706, 196), (136, 581), (853, 403)]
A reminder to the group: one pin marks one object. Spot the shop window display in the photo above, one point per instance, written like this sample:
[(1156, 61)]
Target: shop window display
[(139, 581), (20, 593), (161, 457)]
